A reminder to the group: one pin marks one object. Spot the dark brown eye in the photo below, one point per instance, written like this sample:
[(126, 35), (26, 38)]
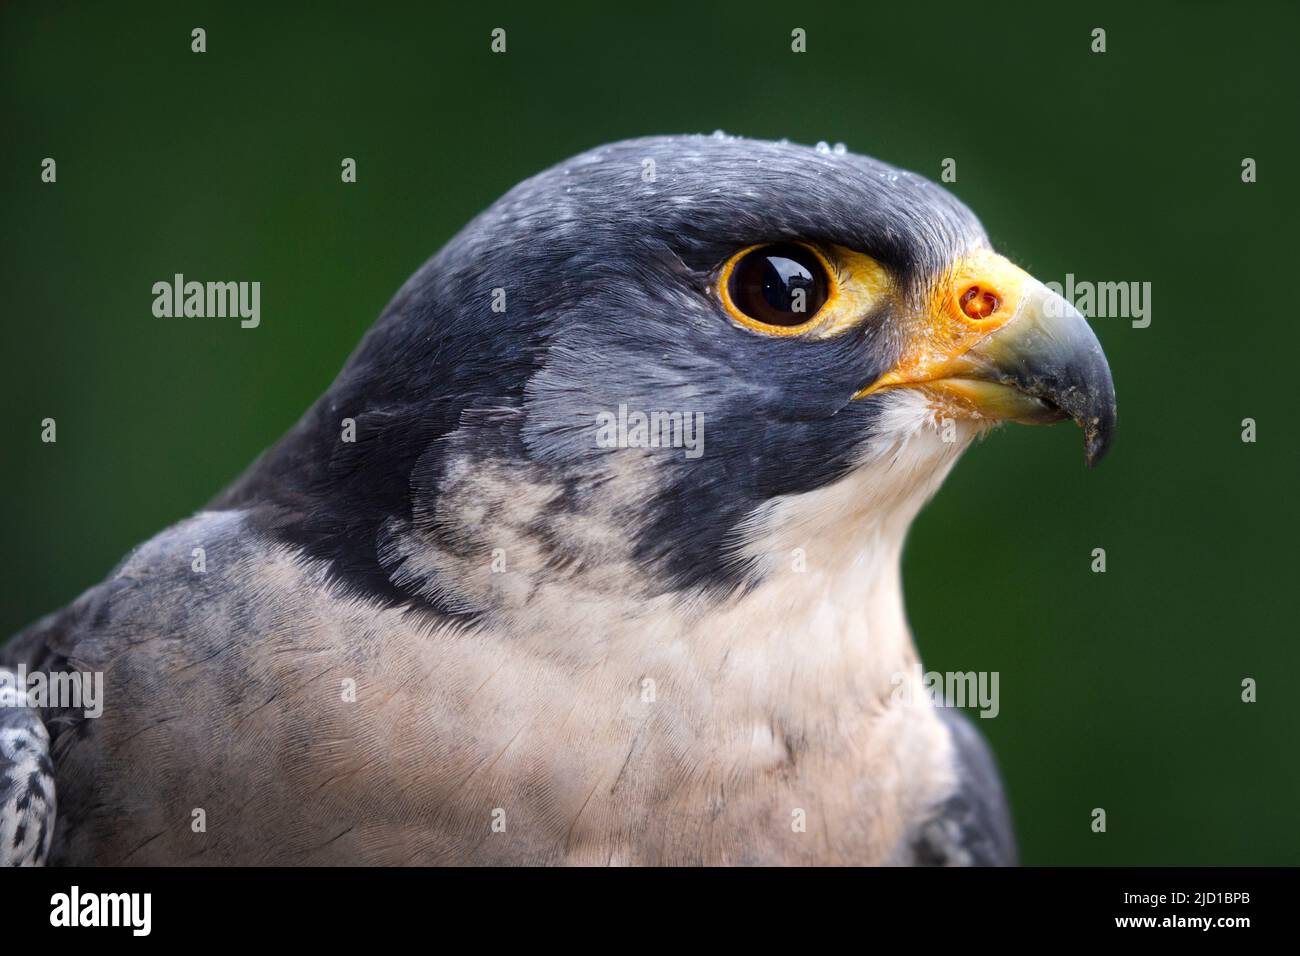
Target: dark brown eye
[(782, 285)]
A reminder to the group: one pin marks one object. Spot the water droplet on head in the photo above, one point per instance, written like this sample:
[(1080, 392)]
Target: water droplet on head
[(839, 149), (823, 147)]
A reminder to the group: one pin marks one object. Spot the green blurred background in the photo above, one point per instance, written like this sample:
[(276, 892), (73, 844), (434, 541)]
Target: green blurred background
[(1118, 690)]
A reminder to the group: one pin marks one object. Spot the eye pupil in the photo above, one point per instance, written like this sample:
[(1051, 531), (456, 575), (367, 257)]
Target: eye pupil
[(783, 284)]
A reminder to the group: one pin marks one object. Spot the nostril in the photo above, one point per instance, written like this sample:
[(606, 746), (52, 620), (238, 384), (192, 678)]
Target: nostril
[(978, 302)]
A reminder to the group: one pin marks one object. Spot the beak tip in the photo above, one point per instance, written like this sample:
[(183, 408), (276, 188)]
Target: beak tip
[(1098, 434)]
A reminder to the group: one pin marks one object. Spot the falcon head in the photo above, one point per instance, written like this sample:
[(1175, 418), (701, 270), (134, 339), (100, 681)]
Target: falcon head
[(832, 331)]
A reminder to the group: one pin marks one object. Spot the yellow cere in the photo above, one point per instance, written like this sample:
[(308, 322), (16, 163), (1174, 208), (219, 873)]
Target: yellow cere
[(943, 332)]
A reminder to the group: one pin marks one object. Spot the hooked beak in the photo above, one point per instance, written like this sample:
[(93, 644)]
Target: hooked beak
[(1000, 346)]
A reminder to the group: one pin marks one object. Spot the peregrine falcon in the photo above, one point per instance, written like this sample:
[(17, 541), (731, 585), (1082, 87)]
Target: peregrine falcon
[(589, 555)]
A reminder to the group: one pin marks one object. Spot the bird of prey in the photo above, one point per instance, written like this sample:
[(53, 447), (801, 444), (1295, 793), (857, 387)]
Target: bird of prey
[(589, 555)]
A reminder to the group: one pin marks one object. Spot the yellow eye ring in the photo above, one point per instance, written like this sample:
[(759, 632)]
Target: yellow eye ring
[(809, 255)]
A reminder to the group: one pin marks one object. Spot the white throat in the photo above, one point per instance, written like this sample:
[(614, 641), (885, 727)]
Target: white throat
[(832, 588)]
